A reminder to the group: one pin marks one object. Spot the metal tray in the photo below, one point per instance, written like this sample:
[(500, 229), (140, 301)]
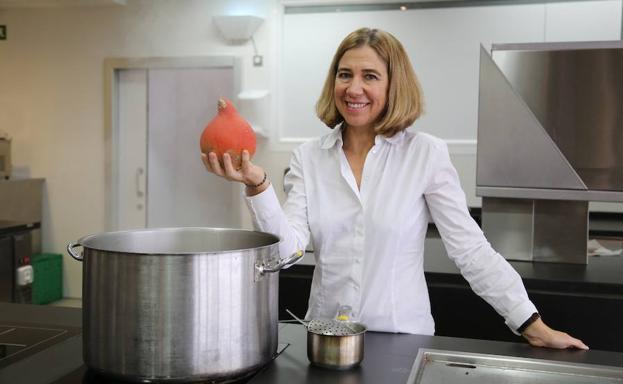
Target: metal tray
[(436, 366)]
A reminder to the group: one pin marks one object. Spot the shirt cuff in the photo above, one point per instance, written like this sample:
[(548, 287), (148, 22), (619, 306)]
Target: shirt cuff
[(519, 315), (263, 206)]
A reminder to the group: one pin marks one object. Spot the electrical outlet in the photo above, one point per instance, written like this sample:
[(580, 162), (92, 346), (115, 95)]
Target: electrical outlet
[(257, 61)]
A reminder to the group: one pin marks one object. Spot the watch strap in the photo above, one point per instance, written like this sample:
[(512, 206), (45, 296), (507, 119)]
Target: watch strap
[(534, 317)]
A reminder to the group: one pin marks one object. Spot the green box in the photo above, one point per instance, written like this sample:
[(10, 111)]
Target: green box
[(47, 285)]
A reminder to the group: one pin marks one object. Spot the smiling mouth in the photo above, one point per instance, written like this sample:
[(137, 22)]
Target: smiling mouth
[(356, 105)]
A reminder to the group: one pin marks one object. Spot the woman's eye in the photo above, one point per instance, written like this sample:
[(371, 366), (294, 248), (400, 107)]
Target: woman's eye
[(343, 75), (370, 76)]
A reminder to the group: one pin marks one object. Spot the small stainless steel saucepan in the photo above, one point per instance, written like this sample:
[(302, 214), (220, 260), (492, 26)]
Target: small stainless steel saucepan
[(334, 344)]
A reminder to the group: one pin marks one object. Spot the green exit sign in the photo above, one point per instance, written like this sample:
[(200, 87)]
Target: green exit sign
[(2, 32)]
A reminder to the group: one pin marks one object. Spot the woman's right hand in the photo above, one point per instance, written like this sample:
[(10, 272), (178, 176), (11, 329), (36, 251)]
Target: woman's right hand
[(251, 175)]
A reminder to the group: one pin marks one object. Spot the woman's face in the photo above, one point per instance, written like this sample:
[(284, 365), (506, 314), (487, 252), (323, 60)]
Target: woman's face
[(361, 84)]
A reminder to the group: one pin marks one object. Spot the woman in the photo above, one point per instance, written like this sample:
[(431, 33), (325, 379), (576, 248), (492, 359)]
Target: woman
[(364, 193)]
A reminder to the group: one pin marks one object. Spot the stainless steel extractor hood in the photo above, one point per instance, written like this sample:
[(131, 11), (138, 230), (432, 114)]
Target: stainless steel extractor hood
[(550, 133)]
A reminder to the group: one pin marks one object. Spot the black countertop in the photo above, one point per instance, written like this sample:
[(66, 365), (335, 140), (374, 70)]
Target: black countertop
[(10, 226), (388, 357), (42, 365)]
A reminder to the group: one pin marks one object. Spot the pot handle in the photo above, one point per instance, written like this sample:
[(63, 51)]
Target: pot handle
[(70, 248), (288, 261)]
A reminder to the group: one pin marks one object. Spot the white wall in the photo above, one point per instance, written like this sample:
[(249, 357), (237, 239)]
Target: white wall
[(51, 93)]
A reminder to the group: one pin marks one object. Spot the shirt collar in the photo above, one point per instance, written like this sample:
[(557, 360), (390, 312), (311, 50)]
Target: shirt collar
[(335, 136), (396, 139), (330, 139)]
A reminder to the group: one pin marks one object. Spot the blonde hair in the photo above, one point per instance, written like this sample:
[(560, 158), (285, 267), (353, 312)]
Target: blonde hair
[(404, 95)]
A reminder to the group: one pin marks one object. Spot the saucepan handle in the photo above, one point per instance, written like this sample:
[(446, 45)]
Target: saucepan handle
[(70, 248), (283, 263)]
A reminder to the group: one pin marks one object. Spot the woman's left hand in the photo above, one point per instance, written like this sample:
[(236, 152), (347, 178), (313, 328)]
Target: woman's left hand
[(540, 335)]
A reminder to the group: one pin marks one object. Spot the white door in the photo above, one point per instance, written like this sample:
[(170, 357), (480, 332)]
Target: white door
[(131, 148), (161, 179)]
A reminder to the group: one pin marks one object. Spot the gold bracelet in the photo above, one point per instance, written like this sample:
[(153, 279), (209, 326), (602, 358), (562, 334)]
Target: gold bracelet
[(260, 183)]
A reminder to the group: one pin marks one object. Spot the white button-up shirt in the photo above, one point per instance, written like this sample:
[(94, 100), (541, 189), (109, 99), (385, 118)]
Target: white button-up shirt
[(369, 241)]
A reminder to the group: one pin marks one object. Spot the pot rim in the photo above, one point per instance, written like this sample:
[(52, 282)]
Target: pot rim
[(364, 330), (83, 241)]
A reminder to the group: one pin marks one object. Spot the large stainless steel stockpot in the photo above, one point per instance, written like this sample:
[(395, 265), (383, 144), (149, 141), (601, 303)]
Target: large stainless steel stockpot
[(179, 304)]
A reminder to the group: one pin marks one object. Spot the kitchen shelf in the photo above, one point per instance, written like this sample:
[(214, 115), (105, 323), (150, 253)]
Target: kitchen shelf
[(259, 131), (253, 106), (253, 94)]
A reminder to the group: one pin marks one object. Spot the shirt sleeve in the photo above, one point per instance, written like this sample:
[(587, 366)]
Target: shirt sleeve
[(489, 275), (290, 222)]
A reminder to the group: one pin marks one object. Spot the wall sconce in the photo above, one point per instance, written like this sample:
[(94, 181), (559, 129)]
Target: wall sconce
[(237, 29)]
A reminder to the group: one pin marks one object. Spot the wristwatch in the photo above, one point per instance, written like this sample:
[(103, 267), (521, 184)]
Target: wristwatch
[(535, 316)]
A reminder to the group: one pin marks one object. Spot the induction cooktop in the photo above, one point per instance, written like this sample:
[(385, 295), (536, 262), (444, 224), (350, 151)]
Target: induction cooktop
[(83, 375), (20, 340)]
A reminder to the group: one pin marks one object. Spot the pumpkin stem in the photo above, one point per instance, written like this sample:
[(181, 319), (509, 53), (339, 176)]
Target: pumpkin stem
[(222, 104)]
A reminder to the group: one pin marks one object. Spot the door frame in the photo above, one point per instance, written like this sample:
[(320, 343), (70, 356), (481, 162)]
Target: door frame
[(112, 67)]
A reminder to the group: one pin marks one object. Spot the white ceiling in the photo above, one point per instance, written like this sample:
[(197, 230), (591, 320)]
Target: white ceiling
[(354, 2), (58, 3)]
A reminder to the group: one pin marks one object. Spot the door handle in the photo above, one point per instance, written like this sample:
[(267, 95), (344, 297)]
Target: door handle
[(139, 172)]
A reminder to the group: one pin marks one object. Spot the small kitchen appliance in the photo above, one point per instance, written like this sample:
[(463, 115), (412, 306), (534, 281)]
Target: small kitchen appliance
[(16, 272)]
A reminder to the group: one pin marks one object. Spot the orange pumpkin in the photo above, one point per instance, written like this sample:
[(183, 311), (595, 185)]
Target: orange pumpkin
[(229, 133)]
